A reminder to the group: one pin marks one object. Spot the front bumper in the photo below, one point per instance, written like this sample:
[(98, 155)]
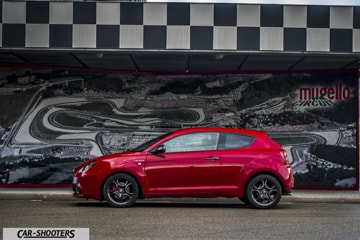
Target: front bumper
[(76, 188), (86, 187)]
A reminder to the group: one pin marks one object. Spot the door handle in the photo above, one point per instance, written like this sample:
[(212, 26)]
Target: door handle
[(212, 158)]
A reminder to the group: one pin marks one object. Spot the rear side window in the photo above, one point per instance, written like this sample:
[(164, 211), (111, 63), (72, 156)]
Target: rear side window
[(232, 141)]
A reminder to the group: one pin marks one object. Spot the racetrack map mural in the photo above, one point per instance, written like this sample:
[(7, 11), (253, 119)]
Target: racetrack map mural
[(52, 120)]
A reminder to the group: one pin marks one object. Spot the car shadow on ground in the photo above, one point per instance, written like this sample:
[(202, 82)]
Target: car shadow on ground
[(176, 204), (165, 205)]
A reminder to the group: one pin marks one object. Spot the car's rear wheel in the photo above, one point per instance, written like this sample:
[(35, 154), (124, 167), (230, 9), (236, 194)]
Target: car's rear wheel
[(120, 190), (264, 191)]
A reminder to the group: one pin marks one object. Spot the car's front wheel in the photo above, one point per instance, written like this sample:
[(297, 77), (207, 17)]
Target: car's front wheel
[(120, 190), (264, 191)]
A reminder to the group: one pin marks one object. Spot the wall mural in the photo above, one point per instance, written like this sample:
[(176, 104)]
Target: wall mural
[(52, 120)]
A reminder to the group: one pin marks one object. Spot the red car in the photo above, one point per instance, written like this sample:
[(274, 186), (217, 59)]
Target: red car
[(193, 162)]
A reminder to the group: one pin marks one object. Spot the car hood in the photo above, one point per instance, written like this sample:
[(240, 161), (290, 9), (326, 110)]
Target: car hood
[(119, 157)]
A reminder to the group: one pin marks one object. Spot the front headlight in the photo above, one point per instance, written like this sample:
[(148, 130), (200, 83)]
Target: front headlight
[(86, 167)]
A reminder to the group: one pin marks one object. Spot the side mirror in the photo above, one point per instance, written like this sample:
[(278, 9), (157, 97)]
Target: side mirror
[(159, 149)]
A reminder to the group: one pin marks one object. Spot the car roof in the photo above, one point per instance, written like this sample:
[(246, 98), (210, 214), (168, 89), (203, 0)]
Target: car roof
[(220, 129)]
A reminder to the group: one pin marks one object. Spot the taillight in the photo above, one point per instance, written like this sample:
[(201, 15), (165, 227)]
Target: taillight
[(284, 156)]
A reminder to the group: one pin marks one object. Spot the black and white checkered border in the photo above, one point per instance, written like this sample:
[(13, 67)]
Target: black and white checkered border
[(179, 26)]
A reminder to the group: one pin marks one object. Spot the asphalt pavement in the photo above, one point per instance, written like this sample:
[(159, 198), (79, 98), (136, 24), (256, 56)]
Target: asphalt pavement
[(63, 194)]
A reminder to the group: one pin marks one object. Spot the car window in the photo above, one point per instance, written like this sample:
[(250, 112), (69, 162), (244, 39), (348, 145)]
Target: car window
[(193, 142), (232, 141), (147, 144)]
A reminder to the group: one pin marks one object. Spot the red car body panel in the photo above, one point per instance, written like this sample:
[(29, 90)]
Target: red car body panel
[(181, 173), (214, 173)]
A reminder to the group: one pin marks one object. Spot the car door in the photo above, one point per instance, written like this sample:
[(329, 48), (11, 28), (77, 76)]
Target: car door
[(235, 154), (191, 164)]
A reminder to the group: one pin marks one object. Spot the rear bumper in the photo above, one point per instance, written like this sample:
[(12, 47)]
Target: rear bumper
[(289, 183)]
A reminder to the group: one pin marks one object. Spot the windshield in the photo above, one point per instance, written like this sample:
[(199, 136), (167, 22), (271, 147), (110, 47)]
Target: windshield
[(147, 144)]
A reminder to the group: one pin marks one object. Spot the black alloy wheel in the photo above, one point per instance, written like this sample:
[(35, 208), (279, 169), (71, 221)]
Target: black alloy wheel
[(120, 190), (264, 191)]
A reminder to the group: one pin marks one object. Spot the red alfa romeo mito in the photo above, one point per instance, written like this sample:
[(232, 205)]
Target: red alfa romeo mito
[(193, 162)]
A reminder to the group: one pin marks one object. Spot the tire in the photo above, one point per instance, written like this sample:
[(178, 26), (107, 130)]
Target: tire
[(264, 191), (120, 190)]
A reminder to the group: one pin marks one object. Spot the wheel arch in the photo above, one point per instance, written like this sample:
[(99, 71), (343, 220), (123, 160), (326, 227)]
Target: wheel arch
[(263, 173)]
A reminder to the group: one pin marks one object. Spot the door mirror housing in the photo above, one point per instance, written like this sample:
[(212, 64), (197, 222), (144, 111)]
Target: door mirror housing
[(159, 149)]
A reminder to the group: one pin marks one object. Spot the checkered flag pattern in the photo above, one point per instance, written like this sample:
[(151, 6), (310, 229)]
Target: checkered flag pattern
[(179, 26)]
